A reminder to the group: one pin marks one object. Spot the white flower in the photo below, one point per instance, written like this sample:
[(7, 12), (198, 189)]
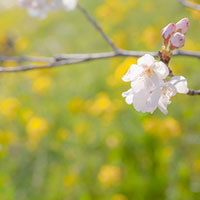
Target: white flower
[(147, 67), (41, 8), (36, 8), (144, 95), (69, 4), (146, 83), (177, 84)]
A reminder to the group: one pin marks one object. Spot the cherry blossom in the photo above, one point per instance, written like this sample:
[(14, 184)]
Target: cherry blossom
[(146, 83), (41, 8), (177, 84), (147, 67)]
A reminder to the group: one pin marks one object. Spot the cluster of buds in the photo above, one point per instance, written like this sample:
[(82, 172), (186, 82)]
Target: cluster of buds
[(41, 8), (174, 34)]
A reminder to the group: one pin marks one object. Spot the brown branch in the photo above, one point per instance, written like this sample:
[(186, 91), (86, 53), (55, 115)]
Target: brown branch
[(98, 28), (193, 92), (190, 4), (68, 59)]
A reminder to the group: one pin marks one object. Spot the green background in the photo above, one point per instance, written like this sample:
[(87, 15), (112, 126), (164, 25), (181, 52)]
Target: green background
[(66, 133)]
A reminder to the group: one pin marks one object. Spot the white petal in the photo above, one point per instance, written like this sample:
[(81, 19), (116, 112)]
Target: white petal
[(125, 94), (139, 101), (180, 83), (69, 4), (129, 96), (133, 73), (161, 69), (154, 97), (129, 99), (146, 60), (163, 108)]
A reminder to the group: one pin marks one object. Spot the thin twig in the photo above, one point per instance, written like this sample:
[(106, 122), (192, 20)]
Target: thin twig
[(193, 92), (190, 4), (68, 59), (98, 27)]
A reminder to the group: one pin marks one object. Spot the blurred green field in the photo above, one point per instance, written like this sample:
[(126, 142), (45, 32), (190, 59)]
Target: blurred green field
[(67, 134)]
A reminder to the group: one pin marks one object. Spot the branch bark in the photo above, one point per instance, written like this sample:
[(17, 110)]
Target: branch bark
[(190, 4), (98, 28)]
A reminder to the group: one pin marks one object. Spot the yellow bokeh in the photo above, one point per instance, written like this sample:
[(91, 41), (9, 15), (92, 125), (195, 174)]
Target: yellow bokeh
[(120, 40), (114, 11), (9, 64), (81, 128), (101, 104), (150, 37), (76, 105), (26, 114), (119, 197), (196, 165), (7, 137), (9, 107), (114, 80), (36, 128), (62, 134), (109, 175), (22, 43), (70, 179), (42, 84), (164, 129)]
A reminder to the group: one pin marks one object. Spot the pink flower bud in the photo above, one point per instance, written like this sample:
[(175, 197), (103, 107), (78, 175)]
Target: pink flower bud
[(177, 41), (168, 31), (183, 25)]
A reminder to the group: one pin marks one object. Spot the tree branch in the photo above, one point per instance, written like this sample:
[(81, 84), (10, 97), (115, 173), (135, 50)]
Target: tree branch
[(190, 4), (98, 28), (68, 59)]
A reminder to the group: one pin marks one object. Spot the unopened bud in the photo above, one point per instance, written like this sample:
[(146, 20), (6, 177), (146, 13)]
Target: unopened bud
[(168, 31), (183, 25), (177, 41)]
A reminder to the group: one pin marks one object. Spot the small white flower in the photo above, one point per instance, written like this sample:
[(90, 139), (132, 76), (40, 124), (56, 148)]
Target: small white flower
[(146, 83), (41, 8), (147, 67), (69, 4), (177, 84)]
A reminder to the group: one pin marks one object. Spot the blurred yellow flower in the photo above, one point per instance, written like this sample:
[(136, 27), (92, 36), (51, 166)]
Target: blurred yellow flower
[(166, 153), (120, 40), (119, 197), (109, 175), (76, 105), (9, 107), (164, 129), (22, 43), (150, 37), (115, 79), (70, 179), (42, 84), (7, 137), (81, 128), (9, 64), (196, 165), (26, 114), (36, 128), (62, 134), (101, 104), (191, 45), (113, 11)]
